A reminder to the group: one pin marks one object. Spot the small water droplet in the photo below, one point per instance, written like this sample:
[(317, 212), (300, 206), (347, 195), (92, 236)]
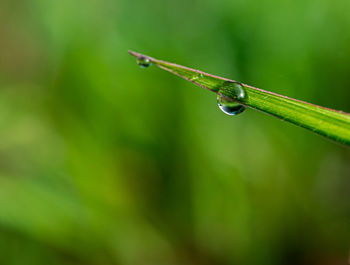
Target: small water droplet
[(227, 96), (143, 62), (196, 76)]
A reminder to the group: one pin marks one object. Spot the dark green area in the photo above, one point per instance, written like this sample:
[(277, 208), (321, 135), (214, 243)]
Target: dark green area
[(102, 162)]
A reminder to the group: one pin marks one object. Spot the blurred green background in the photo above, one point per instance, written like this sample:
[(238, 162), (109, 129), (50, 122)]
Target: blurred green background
[(102, 162)]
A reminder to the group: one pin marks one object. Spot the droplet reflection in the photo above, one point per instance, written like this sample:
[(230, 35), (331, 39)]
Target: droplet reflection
[(227, 98)]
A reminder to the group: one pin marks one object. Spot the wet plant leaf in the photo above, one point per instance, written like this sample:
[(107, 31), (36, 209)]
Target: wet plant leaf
[(330, 123)]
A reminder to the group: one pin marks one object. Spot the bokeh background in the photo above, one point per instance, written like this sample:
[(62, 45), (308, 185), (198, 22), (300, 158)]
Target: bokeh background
[(102, 162)]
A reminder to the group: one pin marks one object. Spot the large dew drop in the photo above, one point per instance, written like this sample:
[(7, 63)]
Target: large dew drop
[(143, 62), (227, 98), (230, 108)]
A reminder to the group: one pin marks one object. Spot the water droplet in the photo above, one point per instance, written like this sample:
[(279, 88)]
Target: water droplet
[(227, 98), (231, 108), (196, 77), (143, 62)]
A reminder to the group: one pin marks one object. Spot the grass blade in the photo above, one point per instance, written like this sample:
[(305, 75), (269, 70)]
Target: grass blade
[(330, 123)]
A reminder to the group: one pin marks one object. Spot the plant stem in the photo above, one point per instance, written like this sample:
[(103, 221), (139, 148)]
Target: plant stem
[(324, 121)]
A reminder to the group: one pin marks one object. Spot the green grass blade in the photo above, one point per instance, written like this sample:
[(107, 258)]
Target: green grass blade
[(324, 121)]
